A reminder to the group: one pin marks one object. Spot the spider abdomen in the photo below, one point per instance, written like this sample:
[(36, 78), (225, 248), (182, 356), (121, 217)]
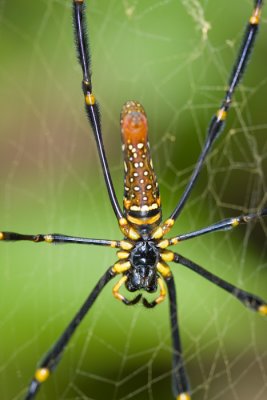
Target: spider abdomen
[(141, 194)]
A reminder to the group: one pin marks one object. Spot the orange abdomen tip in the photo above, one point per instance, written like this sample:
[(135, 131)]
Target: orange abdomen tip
[(133, 124)]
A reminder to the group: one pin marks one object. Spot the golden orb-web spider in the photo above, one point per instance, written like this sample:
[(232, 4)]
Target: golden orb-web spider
[(142, 253)]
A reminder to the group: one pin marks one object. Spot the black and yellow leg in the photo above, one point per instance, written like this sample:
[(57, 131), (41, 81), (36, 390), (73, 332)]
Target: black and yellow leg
[(180, 382), (162, 293), (166, 256), (225, 225), (117, 287), (120, 297), (251, 301), (57, 238), (128, 230), (40, 376), (163, 229), (53, 357), (217, 121), (160, 298), (91, 106)]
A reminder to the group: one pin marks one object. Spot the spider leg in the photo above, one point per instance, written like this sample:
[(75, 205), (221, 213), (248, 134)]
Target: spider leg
[(248, 299), (159, 299), (91, 107), (217, 121), (224, 225), (53, 357), (180, 383), (120, 297), (57, 238)]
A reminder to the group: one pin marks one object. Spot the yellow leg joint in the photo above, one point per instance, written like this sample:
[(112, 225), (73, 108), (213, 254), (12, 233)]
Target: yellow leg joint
[(163, 292), (163, 229), (235, 222), (158, 233), (255, 18), (122, 255), (174, 241), (116, 288), (90, 99), (42, 374), (48, 238), (263, 310), (167, 255), (163, 269), (128, 230), (183, 396), (132, 234), (124, 245), (221, 114), (1, 236), (163, 244), (121, 267)]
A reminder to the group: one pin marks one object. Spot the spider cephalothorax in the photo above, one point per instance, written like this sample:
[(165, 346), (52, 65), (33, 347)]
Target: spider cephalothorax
[(143, 273)]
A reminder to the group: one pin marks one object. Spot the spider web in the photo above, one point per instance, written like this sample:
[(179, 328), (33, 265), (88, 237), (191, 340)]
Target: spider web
[(175, 57)]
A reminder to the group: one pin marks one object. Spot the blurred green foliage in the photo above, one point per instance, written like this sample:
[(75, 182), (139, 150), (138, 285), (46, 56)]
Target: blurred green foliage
[(162, 54)]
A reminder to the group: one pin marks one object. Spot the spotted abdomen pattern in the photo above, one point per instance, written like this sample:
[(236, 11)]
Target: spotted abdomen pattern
[(141, 194)]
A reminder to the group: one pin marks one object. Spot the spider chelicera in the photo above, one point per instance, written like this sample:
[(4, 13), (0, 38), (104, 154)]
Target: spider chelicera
[(142, 253)]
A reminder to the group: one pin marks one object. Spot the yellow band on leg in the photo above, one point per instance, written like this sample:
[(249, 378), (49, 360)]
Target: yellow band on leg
[(41, 374), (263, 309), (183, 396), (116, 288)]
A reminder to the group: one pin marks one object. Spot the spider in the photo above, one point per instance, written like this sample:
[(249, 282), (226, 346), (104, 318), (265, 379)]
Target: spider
[(143, 253)]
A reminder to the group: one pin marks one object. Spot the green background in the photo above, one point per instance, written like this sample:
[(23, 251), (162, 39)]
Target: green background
[(160, 53)]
